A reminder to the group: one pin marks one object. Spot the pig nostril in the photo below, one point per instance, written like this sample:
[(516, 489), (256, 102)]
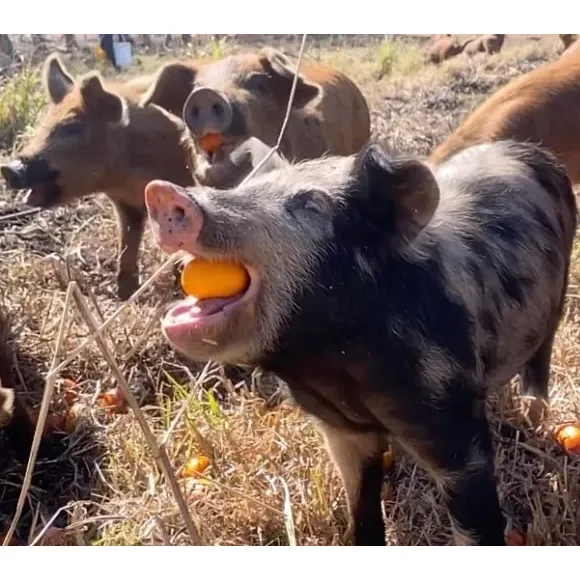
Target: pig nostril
[(179, 213), (217, 110), (195, 112)]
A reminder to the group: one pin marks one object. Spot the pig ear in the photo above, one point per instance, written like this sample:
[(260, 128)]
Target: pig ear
[(171, 87), (108, 106), (403, 190), (282, 76), (56, 80)]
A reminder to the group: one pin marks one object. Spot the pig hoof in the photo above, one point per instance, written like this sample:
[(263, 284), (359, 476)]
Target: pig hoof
[(127, 286)]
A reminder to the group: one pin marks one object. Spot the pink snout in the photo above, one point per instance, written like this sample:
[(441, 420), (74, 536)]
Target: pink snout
[(175, 217)]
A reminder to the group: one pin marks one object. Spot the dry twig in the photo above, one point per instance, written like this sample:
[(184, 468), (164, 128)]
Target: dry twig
[(158, 451), (48, 389)]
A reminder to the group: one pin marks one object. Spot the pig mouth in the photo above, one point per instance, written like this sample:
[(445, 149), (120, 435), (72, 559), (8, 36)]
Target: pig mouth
[(217, 154), (43, 195), (191, 315)]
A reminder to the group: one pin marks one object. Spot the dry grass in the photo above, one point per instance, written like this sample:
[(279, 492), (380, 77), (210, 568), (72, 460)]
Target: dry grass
[(270, 480)]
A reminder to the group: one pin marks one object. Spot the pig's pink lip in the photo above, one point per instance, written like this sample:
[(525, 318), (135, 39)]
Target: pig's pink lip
[(188, 315)]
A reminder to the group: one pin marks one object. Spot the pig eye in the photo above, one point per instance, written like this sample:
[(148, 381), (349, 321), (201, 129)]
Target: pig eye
[(257, 82), (73, 129), (309, 203)]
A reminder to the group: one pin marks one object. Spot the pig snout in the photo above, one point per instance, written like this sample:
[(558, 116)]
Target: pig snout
[(207, 111), (23, 173), (15, 174), (175, 217)]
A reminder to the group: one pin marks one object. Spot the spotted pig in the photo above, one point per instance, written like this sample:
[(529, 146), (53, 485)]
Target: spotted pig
[(390, 297)]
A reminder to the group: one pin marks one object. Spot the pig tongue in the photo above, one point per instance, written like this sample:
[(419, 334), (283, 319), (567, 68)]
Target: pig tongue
[(209, 306)]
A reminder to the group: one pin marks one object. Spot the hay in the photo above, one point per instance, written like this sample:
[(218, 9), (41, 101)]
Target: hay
[(270, 481)]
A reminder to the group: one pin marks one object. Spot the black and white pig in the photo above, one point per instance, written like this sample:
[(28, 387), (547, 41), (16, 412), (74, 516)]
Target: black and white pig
[(390, 298)]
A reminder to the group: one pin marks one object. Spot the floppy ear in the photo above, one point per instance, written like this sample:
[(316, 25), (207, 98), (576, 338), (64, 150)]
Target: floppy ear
[(282, 76), (108, 106), (171, 87), (402, 189), (56, 80)]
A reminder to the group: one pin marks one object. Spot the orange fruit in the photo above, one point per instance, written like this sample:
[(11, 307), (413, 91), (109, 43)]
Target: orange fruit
[(208, 279), (196, 466), (70, 388), (211, 142), (72, 417), (114, 400), (569, 438)]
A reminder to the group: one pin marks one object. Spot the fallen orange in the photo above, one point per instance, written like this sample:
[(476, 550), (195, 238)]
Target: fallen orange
[(196, 466), (569, 438), (72, 416), (113, 400), (70, 388)]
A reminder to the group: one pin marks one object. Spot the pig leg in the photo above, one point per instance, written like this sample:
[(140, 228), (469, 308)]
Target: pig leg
[(131, 224), (458, 452), (359, 458), (535, 379), (537, 371)]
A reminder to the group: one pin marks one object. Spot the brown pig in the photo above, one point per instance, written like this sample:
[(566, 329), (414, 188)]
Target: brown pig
[(445, 47), (246, 95), (96, 137), (541, 106), (488, 43)]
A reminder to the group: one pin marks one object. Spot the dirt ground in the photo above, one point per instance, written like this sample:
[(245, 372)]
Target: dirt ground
[(270, 481)]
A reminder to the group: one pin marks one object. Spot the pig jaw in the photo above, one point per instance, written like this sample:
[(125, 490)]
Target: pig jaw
[(220, 334), (37, 177)]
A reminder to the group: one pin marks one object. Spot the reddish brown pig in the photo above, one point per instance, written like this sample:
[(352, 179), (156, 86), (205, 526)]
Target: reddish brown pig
[(488, 43), (95, 137), (542, 106), (445, 47), (247, 95)]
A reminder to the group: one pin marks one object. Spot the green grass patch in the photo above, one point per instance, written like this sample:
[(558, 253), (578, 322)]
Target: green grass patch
[(396, 58), (21, 101)]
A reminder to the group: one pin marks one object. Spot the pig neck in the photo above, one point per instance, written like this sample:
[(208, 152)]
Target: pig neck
[(153, 150), (354, 335)]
